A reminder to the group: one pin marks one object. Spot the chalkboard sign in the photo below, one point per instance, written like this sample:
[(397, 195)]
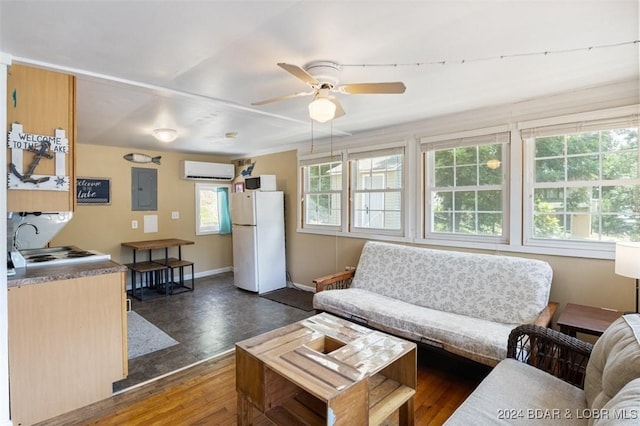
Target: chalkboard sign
[(93, 191)]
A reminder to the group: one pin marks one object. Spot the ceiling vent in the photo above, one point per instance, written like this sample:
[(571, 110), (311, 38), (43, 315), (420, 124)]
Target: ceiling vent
[(200, 170)]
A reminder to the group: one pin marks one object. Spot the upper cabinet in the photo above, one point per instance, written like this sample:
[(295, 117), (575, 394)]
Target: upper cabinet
[(41, 123)]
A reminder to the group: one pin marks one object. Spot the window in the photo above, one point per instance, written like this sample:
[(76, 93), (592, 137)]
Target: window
[(322, 192), (465, 187), (584, 182), (377, 191), (566, 185), (212, 209)]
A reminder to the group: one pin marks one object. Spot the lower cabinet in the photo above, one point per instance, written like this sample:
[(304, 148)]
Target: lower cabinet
[(67, 344)]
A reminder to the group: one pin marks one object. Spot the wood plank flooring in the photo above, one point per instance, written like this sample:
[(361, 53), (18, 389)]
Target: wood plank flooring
[(205, 394)]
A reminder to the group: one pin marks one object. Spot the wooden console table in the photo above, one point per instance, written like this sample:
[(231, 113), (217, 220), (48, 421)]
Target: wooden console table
[(326, 370), (159, 273)]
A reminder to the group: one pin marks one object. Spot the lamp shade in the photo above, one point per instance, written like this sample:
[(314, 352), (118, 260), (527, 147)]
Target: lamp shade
[(322, 109), (628, 259)]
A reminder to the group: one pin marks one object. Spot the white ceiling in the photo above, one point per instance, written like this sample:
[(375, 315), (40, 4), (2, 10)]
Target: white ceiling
[(198, 66)]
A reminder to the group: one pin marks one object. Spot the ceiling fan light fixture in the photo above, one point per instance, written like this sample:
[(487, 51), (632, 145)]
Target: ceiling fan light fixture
[(322, 110), (165, 135), (493, 164)]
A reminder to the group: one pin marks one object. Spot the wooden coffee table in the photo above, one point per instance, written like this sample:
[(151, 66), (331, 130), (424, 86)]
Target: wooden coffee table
[(325, 370)]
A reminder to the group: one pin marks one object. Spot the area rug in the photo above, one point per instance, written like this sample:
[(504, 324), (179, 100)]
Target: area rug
[(293, 297), (144, 337)]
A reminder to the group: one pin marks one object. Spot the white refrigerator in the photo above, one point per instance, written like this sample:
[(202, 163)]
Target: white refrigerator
[(257, 219)]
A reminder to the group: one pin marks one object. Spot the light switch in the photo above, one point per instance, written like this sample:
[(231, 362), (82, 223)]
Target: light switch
[(134, 224), (175, 215)]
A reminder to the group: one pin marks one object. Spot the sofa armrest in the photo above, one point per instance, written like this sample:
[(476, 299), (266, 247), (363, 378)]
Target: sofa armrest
[(339, 280), (556, 353), (544, 319)]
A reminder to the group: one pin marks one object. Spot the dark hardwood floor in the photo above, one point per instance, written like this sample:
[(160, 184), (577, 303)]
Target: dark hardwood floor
[(208, 322)]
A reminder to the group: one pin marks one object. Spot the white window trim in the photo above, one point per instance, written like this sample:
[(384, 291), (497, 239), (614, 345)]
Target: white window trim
[(199, 230), (373, 152), (427, 146), (527, 216), (308, 160), (414, 184)]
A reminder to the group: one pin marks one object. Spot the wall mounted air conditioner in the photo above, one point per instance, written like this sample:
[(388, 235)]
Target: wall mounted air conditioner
[(200, 170)]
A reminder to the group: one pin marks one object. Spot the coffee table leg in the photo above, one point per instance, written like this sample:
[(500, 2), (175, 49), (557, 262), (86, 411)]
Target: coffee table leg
[(406, 413), (244, 411)]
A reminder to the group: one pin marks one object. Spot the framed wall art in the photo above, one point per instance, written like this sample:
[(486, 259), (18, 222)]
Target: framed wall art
[(93, 191)]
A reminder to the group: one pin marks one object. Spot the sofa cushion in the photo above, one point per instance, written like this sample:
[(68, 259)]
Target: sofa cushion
[(480, 340), (509, 290), (623, 408), (614, 361), (517, 393)]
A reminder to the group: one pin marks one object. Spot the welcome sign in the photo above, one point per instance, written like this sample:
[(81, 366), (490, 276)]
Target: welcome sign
[(93, 191), (43, 147)]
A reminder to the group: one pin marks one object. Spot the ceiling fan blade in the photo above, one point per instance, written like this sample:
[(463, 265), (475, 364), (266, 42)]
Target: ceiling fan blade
[(299, 73), (282, 98), (361, 88), (339, 110)]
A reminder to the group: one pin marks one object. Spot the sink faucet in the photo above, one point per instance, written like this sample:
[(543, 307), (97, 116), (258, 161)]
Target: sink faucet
[(15, 234)]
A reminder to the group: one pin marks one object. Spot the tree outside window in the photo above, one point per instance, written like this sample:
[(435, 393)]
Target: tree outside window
[(587, 186), (466, 187)]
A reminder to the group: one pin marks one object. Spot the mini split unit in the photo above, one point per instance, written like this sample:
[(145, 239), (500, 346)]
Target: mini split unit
[(200, 170)]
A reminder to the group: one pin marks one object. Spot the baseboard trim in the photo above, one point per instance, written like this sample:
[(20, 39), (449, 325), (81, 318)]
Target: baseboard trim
[(211, 272), (200, 274), (304, 287)]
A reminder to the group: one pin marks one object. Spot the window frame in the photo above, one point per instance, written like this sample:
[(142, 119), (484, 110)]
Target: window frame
[(487, 136), (353, 157), (562, 127), (303, 165), (413, 136), (199, 186)]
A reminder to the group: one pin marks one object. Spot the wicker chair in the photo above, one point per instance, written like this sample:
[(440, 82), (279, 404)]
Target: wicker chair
[(556, 353), (549, 377)]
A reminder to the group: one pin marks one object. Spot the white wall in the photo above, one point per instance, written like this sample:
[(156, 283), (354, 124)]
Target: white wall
[(5, 60)]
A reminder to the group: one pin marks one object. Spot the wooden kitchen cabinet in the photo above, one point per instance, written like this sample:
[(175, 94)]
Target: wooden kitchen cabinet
[(67, 344), (42, 101)]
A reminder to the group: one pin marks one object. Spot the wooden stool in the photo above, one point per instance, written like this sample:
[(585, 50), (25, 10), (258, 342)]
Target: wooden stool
[(172, 264), (155, 275)]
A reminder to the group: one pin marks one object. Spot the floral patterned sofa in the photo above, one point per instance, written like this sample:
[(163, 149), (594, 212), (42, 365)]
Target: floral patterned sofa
[(464, 303)]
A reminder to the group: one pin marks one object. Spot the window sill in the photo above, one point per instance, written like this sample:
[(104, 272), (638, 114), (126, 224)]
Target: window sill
[(607, 253)]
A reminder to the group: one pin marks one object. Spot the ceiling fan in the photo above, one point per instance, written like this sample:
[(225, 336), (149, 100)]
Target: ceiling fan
[(322, 76)]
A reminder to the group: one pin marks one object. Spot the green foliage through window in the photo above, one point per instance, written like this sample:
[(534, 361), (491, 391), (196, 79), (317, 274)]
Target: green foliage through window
[(587, 186), (467, 191)]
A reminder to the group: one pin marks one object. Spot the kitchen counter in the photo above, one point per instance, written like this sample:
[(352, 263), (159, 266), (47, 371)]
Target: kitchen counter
[(67, 323), (28, 276)]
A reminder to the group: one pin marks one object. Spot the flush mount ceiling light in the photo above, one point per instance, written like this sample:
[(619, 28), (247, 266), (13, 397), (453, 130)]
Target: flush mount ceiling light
[(322, 109), (231, 135), (165, 135)]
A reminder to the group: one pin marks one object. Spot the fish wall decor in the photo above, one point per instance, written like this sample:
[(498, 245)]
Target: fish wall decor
[(135, 157), (247, 172)]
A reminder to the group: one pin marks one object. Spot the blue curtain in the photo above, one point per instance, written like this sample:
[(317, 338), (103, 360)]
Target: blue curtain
[(223, 210)]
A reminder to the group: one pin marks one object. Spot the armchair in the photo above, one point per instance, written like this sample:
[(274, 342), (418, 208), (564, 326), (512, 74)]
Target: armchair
[(549, 376), (563, 356)]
